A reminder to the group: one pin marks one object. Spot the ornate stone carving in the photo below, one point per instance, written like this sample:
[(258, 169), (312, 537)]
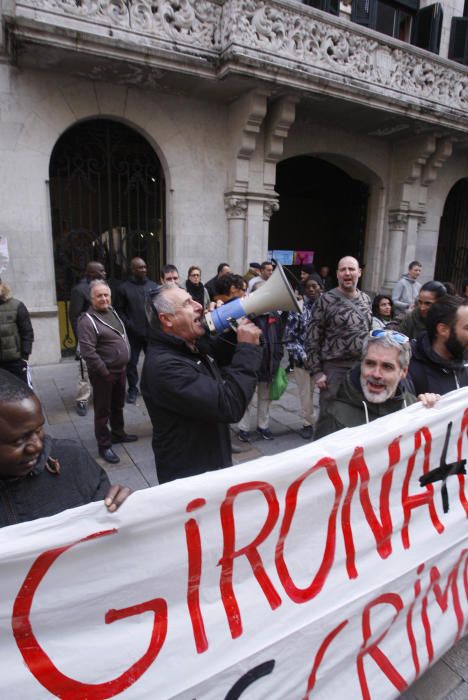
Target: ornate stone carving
[(339, 47), (397, 220), (269, 207), (281, 38), (185, 21), (236, 207)]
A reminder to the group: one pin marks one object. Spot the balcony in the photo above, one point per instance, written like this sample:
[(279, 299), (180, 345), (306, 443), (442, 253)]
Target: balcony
[(229, 45)]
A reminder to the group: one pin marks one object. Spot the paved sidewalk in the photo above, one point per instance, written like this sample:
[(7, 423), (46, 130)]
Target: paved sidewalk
[(55, 384)]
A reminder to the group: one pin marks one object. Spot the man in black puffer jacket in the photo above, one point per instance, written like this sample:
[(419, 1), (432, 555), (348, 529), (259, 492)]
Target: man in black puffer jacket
[(40, 476), (193, 390), (440, 356)]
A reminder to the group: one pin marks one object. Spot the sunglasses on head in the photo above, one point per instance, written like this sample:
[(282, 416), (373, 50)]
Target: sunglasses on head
[(396, 335)]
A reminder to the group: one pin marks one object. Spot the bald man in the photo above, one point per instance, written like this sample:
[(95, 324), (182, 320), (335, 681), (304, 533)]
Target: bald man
[(339, 323), (130, 305)]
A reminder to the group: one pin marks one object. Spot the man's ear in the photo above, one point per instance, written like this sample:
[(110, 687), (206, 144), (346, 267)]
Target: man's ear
[(404, 372), (165, 320)]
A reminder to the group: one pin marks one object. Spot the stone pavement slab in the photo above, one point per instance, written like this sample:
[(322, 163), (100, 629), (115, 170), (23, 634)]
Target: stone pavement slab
[(55, 385)]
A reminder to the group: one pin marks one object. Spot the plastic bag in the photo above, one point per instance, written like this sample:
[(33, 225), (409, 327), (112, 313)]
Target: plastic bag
[(278, 384)]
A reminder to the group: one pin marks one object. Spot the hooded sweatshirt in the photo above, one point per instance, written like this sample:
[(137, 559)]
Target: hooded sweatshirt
[(428, 371), (405, 293), (350, 408)]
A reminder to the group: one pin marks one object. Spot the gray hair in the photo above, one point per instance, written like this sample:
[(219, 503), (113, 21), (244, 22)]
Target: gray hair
[(161, 303), (98, 283), (404, 349)]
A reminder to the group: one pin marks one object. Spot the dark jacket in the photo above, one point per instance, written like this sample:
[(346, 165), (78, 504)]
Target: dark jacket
[(130, 305), (191, 401), (350, 408), (413, 324), (79, 303), (49, 489), (428, 371), (16, 331), (104, 349), (272, 327)]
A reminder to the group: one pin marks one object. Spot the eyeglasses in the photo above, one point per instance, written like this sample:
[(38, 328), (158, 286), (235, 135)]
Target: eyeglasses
[(194, 274), (395, 335)]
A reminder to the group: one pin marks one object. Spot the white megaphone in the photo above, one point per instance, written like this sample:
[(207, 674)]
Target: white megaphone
[(275, 295)]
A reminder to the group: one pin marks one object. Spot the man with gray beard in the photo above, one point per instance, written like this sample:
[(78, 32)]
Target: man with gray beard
[(374, 388)]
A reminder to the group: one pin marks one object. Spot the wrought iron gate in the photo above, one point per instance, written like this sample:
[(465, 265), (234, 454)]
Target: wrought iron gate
[(107, 196)]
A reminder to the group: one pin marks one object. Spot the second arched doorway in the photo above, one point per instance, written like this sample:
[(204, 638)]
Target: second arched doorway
[(107, 196), (452, 249), (322, 209)]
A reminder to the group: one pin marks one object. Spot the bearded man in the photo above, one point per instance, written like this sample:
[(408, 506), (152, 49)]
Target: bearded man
[(440, 355), (374, 388)]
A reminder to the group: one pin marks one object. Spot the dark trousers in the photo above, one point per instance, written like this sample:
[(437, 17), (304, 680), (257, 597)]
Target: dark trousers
[(137, 344), (17, 367), (108, 400)]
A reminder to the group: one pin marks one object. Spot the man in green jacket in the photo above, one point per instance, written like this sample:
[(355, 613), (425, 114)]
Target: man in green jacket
[(16, 334), (374, 388)]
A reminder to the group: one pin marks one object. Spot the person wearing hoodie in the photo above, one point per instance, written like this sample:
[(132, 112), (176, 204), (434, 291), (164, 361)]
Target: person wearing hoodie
[(374, 388), (16, 334), (406, 290), (41, 476), (106, 351), (440, 356), (414, 323), (130, 305)]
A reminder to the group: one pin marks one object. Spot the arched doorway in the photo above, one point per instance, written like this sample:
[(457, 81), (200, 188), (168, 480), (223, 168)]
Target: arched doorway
[(107, 196), (321, 208), (452, 248)]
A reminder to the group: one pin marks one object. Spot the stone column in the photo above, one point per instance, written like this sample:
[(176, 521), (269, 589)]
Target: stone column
[(269, 207), (236, 212), (397, 227)]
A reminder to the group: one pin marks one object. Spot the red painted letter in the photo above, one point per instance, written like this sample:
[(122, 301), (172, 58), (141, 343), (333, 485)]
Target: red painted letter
[(250, 551), (301, 595), (373, 649), (382, 531), (421, 499), (43, 668)]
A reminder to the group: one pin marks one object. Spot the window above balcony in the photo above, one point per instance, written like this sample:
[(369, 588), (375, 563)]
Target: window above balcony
[(402, 19)]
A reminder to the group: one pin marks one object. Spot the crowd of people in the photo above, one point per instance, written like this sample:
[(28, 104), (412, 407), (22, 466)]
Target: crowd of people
[(365, 358)]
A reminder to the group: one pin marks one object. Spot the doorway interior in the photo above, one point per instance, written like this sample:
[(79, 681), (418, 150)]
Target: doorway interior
[(322, 209)]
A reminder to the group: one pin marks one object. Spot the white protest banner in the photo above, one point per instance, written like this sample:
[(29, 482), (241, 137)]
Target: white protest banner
[(327, 571)]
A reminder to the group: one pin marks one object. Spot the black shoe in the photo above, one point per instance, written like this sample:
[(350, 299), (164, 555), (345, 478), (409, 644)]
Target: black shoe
[(306, 432), (81, 408), (132, 395), (265, 433), (124, 438), (108, 454)]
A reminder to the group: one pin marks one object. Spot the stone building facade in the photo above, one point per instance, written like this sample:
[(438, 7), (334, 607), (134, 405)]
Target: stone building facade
[(266, 124)]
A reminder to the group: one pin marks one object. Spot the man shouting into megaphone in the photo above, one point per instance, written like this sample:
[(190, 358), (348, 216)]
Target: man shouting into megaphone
[(194, 385)]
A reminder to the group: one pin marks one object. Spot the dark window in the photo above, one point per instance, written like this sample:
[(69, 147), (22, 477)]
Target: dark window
[(386, 16), (458, 49), (332, 6), (428, 28), (402, 19)]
